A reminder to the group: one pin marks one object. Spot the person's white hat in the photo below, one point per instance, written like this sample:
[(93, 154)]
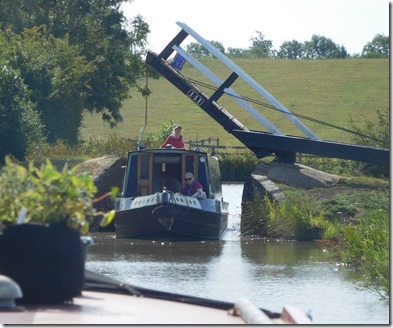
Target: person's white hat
[(189, 175)]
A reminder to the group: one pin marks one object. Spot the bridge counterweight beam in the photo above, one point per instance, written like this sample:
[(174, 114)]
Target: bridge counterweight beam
[(220, 91), (177, 40), (227, 121)]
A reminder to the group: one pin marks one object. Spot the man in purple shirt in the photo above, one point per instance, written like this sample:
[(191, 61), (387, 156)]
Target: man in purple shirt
[(191, 186)]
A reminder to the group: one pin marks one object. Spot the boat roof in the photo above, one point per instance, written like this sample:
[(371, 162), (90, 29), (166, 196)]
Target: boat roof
[(170, 150), (108, 301)]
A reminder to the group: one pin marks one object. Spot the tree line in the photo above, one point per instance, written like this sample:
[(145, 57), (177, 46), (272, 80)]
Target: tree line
[(319, 47)]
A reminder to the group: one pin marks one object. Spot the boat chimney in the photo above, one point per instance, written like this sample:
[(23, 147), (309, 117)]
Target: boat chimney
[(9, 291)]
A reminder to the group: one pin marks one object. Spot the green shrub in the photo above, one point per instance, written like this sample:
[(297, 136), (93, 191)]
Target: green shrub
[(366, 247), (280, 220), (60, 150), (156, 139), (330, 230), (350, 204), (236, 165), (253, 221), (112, 145), (374, 134), (20, 123), (47, 195), (331, 165)]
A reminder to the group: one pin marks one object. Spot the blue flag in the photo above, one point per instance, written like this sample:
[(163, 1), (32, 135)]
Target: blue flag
[(178, 62)]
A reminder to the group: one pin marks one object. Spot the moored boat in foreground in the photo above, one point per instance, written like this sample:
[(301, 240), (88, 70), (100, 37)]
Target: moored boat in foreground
[(107, 301), (152, 205)]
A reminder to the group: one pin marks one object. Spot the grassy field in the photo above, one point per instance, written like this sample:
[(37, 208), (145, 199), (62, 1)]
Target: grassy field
[(327, 90)]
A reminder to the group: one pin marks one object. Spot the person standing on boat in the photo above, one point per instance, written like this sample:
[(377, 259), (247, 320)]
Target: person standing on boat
[(192, 186), (175, 139)]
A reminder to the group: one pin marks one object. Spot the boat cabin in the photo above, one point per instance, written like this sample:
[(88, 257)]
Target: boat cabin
[(153, 170)]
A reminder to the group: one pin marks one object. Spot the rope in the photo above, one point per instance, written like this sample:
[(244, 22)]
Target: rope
[(139, 142), (291, 113), (177, 205)]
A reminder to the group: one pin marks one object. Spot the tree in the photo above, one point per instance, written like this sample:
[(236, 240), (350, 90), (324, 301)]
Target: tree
[(20, 124), (218, 45), (261, 47), (98, 33), (236, 52), (373, 134), (377, 48), (291, 50), (197, 50), (342, 52), (322, 47), (57, 78)]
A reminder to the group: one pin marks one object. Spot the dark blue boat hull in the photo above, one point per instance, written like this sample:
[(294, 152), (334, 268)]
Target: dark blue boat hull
[(170, 221)]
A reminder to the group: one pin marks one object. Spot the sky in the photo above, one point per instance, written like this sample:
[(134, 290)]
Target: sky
[(351, 23)]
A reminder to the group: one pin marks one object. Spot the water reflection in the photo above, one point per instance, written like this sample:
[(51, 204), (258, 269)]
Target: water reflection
[(168, 266), (107, 247), (282, 252)]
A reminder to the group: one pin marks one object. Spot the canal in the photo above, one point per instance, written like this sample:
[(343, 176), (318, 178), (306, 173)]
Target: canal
[(271, 273)]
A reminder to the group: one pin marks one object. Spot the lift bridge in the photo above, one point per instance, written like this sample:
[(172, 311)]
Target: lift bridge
[(262, 144)]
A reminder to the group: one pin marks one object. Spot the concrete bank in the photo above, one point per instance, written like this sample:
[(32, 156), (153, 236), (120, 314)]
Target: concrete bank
[(264, 177)]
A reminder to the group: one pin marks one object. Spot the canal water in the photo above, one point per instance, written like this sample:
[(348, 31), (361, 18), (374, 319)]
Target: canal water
[(271, 273)]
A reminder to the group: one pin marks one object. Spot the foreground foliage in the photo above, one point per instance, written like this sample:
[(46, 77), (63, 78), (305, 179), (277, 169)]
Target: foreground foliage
[(45, 195)]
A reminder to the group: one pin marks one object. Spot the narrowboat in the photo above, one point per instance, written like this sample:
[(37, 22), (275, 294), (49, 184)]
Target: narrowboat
[(152, 204)]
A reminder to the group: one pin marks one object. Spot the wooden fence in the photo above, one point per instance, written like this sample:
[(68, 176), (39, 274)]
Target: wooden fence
[(210, 143)]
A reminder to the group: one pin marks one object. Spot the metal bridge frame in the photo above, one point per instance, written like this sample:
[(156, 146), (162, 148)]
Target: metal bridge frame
[(261, 143)]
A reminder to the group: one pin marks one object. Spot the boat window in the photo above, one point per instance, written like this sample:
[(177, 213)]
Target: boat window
[(203, 176), (170, 178), (193, 163), (215, 177), (167, 172), (145, 167), (190, 164), (130, 183), (167, 159)]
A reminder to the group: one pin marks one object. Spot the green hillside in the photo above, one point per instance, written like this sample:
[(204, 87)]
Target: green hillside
[(327, 90)]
